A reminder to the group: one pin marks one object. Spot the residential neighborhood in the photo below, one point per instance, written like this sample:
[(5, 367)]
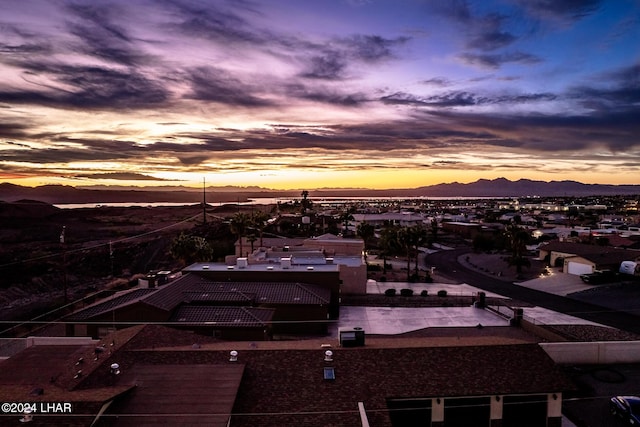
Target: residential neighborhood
[(361, 325)]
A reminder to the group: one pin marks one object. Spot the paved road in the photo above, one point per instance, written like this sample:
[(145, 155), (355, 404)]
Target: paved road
[(446, 263)]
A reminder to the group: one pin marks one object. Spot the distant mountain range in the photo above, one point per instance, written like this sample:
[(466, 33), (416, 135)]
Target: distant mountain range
[(500, 187)]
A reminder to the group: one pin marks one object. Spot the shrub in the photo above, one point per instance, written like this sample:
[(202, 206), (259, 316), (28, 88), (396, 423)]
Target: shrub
[(390, 292), (442, 293), (383, 278), (424, 293), (428, 279), (406, 292)]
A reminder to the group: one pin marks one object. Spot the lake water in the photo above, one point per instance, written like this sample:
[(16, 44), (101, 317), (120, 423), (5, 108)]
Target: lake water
[(272, 201)]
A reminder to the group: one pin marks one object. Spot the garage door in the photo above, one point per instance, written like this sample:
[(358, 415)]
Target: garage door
[(409, 412), (467, 411), (524, 411), (577, 268)]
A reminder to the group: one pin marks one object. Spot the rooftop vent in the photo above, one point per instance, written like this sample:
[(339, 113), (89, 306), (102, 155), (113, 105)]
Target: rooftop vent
[(205, 267), (329, 260), (328, 356), (233, 356), (242, 262), (269, 267), (229, 267), (115, 369), (310, 267), (285, 263)]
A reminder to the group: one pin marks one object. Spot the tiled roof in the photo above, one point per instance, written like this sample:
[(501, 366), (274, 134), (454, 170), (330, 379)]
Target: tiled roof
[(218, 296), (171, 295), (274, 292), (242, 317), (182, 290), (110, 304)]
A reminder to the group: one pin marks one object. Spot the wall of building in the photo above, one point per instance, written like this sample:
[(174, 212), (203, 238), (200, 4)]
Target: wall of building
[(600, 352), (354, 279)]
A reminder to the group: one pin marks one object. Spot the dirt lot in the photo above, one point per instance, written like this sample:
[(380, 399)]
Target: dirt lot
[(103, 247)]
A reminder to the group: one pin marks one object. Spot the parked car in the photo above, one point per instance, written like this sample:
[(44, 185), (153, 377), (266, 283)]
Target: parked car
[(599, 277), (627, 408)]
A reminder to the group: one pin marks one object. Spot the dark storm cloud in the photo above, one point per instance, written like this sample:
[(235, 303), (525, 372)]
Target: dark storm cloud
[(372, 48), (325, 95), (26, 44), (330, 66), (126, 176), (616, 91), (100, 36), (217, 85), (567, 10), (455, 99), (463, 99), (21, 49), (552, 133), (487, 34), (482, 32), (90, 87), (437, 82), (13, 130), (498, 59), (331, 63), (212, 22)]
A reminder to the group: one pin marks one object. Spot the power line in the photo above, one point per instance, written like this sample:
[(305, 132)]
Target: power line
[(100, 245)]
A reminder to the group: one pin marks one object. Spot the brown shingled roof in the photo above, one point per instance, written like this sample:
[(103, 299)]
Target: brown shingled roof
[(286, 387), (189, 395)]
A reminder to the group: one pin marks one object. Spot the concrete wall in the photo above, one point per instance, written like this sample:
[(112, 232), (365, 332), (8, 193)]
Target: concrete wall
[(59, 341), (600, 352)]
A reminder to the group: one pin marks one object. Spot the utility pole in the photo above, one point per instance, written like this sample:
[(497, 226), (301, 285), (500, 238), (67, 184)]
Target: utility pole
[(64, 264), (204, 201)]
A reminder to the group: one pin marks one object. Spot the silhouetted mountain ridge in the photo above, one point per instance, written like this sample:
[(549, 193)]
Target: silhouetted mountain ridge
[(500, 187)]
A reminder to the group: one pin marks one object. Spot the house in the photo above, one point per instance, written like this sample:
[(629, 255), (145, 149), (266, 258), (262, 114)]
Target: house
[(580, 258), (346, 255), (402, 219), (242, 308), (169, 376)]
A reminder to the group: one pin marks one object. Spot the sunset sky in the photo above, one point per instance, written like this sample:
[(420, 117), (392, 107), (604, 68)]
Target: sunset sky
[(309, 94)]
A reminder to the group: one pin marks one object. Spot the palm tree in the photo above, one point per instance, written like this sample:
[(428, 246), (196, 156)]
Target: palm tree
[(345, 217), (366, 231), (406, 242), (259, 222), (434, 229), (388, 244), (419, 238), (239, 224), (410, 239), (517, 238), (305, 202)]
